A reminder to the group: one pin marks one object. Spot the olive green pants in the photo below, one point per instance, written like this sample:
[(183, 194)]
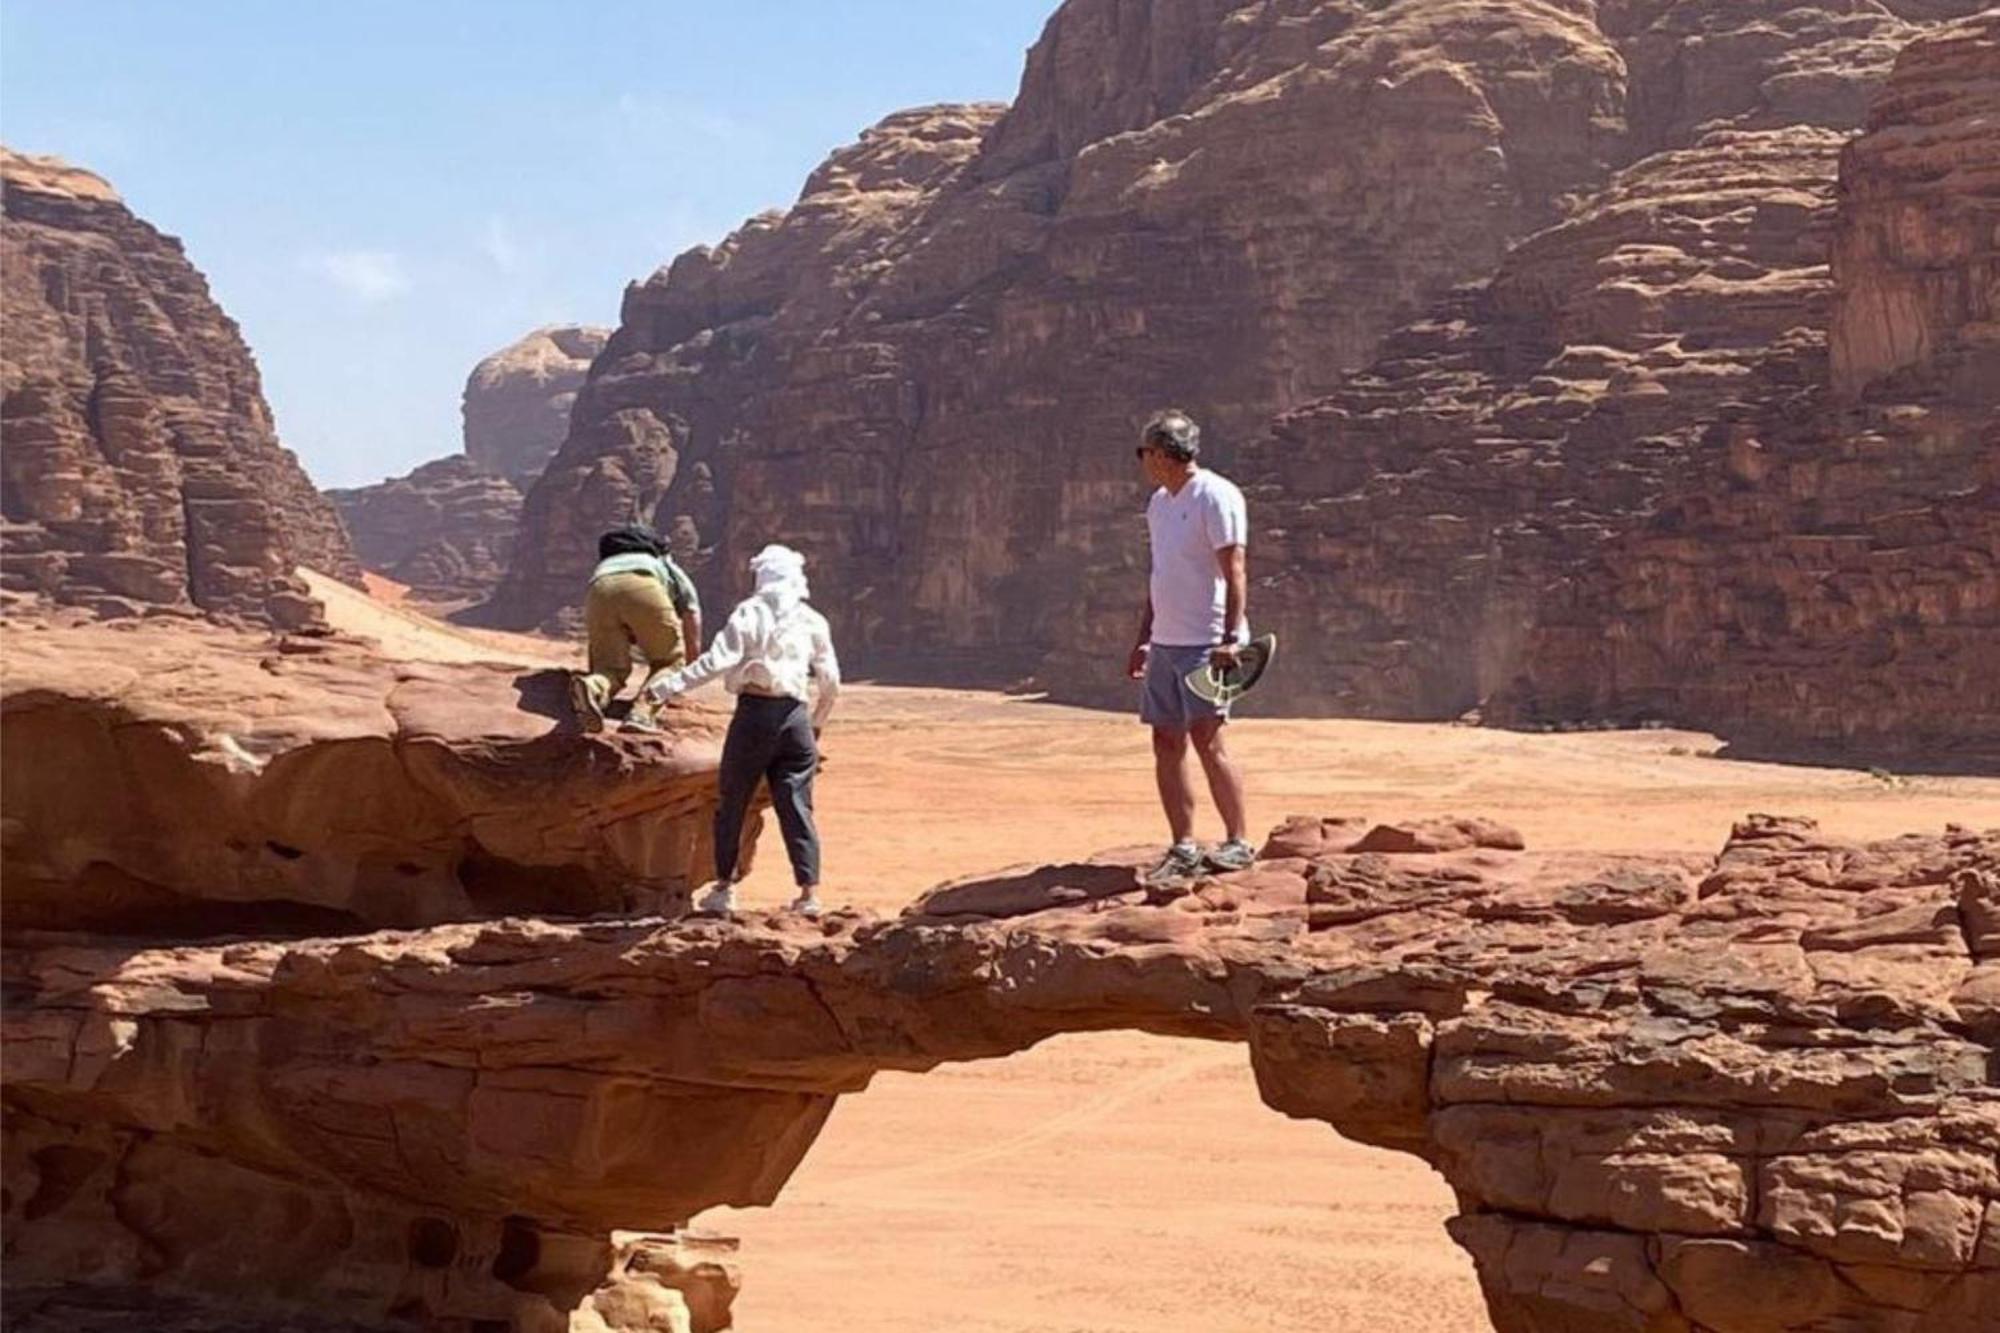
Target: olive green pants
[(619, 611)]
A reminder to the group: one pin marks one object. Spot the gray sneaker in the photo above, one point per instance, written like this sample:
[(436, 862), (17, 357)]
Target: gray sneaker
[(1182, 861), (583, 702), (641, 722), (718, 901), (1235, 854)]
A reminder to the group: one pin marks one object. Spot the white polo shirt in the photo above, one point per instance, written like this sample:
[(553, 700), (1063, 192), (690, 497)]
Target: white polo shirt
[(1189, 596)]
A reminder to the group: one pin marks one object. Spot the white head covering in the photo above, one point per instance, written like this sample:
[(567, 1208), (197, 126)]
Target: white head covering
[(781, 577)]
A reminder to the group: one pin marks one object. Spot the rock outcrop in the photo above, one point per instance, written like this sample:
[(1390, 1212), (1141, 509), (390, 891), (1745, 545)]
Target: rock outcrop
[(141, 467), (445, 530), (927, 372), (1518, 280), (1621, 481), (1915, 261), (181, 781), (1735, 1094), (517, 401)]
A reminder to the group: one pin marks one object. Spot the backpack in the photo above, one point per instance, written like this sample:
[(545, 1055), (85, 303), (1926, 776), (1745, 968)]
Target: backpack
[(632, 539)]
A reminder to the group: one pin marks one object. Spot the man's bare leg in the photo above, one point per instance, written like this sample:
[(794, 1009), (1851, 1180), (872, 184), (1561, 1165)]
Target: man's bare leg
[(1171, 772), (1225, 780)]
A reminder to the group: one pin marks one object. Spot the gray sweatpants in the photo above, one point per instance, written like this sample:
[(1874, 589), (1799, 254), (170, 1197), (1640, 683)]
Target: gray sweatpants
[(770, 740)]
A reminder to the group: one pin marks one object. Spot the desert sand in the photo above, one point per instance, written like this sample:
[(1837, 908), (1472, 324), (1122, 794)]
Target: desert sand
[(1114, 1183)]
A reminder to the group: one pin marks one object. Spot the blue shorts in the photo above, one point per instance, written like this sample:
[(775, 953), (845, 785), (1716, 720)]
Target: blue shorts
[(1165, 700)]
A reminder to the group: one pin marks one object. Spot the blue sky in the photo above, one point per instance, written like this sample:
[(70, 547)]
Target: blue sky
[(382, 193)]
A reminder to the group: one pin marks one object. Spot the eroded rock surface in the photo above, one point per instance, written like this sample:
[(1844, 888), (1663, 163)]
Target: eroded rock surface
[(1539, 296), (927, 371), (190, 780), (1737, 1094), (517, 401), (445, 529), (141, 467), (1620, 481)]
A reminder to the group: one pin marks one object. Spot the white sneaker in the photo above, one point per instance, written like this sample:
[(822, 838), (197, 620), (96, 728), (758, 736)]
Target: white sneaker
[(1182, 862), (718, 901), (807, 904), (1235, 854)]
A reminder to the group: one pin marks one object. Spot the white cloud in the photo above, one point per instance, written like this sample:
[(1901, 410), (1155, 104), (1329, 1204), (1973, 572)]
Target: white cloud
[(499, 244), (369, 276)]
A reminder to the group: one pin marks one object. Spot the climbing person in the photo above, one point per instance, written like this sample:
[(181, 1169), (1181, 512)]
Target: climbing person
[(771, 647), (1195, 616), (638, 597)]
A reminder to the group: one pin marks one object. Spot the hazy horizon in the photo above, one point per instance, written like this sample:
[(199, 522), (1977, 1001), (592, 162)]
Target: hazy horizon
[(381, 195)]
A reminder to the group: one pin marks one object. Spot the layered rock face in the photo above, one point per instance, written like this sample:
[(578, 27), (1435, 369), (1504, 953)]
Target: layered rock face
[(445, 529), (1736, 1094), (1622, 480), (141, 467), (187, 781), (1915, 261), (517, 401), (1521, 281), (927, 373)]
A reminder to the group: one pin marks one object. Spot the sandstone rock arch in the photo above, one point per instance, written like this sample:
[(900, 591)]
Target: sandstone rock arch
[(1747, 1092)]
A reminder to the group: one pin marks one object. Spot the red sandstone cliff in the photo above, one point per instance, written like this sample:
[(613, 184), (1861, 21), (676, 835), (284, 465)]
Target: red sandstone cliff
[(517, 401), (1623, 480), (141, 467), (446, 528), (926, 372), (443, 530), (1751, 1092), (1548, 261)]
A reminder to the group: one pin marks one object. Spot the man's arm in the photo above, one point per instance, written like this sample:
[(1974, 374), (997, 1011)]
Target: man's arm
[(826, 674), (687, 602), (724, 653), (1135, 663), (1235, 598)]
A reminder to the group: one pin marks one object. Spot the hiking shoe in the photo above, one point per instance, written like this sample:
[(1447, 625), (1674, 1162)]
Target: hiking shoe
[(806, 904), (642, 723), (1182, 861), (583, 702), (1235, 854), (718, 901)]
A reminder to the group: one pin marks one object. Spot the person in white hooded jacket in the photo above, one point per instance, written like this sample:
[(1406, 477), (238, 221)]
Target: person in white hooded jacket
[(769, 652)]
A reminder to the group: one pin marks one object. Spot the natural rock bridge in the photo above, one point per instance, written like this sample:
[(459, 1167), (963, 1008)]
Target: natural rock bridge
[(1754, 1091)]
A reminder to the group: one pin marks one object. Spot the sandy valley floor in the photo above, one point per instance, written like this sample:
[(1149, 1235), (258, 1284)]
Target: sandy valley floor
[(1127, 1184)]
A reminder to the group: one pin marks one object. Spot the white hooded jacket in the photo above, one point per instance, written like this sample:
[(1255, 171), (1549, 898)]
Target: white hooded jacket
[(772, 643)]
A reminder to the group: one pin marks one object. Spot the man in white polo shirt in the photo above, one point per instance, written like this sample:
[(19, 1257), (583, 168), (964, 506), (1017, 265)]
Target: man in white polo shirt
[(1194, 614)]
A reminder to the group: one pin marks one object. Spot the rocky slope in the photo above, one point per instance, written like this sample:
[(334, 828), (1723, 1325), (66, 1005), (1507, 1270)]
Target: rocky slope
[(186, 780), (1736, 1094), (1556, 257), (927, 371), (445, 529), (141, 468), (1624, 480), (517, 401)]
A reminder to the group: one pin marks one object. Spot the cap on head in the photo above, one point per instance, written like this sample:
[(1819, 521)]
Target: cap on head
[(1173, 433)]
